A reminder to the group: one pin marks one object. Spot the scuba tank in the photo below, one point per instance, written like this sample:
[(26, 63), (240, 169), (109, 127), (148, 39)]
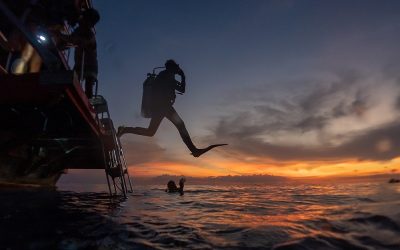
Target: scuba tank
[(147, 97)]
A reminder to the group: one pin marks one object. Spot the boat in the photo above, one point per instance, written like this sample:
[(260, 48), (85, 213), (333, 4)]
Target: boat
[(47, 124)]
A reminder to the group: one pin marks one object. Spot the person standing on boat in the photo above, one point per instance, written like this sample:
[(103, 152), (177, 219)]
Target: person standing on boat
[(163, 98), (84, 40)]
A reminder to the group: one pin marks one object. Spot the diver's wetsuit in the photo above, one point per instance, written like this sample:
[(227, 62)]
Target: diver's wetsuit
[(163, 98)]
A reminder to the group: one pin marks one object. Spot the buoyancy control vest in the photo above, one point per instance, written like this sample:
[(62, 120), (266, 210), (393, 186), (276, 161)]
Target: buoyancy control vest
[(159, 92)]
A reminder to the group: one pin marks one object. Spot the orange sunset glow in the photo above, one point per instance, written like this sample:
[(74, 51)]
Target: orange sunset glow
[(211, 167)]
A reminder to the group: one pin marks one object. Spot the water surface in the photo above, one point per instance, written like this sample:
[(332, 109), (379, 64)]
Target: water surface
[(342, 216)]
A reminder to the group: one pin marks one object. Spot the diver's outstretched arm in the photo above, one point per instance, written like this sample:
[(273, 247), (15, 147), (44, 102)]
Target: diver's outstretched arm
[(181, 86)]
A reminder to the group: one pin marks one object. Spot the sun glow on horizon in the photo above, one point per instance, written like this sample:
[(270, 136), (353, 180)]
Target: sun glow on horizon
[(221, 167)]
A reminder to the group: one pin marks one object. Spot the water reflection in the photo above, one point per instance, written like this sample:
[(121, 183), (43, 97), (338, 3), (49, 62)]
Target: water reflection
[(206, 217)]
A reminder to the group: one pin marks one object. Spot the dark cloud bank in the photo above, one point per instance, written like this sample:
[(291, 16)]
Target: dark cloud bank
[(363, 147), (314, 111)]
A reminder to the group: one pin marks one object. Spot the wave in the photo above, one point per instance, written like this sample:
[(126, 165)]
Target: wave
[(319, 242), (378, 221), (204, 218)]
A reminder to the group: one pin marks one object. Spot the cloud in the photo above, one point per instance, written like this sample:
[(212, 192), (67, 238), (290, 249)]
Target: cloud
[(142, 150), (350, 116), (146, 157)]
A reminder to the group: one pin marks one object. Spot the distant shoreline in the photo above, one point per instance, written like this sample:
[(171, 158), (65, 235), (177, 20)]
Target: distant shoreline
[(95, 177), (266, 179)]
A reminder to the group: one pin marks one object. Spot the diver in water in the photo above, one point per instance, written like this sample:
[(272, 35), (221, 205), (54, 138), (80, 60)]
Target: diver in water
[(172, 188), (163, 98)]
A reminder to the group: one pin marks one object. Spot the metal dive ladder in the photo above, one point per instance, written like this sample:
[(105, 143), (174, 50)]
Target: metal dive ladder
[(115, 163)]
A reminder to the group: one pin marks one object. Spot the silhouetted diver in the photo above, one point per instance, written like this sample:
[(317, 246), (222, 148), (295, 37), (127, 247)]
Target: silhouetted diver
[(172, 188), (163, 97)]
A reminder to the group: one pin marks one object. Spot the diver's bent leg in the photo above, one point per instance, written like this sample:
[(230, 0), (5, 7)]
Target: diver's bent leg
[(173, 116), (150, 131)]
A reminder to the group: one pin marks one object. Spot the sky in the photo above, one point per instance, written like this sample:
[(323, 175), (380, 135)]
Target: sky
[(296, 88)]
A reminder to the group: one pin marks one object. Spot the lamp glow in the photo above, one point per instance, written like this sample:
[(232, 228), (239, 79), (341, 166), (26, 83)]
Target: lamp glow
[(42, 38)]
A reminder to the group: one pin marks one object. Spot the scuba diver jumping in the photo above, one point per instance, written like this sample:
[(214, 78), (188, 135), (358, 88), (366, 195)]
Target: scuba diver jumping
[(160, 105)]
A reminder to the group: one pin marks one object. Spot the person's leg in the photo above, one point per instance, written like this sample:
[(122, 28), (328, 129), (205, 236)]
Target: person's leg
[(150, 131), (173, 116), (89, 87), (90, 81)]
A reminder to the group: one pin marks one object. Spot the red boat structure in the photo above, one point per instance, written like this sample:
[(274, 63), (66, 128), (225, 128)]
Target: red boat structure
[(47, 124)]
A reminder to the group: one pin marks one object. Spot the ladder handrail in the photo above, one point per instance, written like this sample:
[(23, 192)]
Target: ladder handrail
[(114, 157)]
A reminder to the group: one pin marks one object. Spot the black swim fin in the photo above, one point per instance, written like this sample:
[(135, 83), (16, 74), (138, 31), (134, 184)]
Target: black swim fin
[(201, 151)]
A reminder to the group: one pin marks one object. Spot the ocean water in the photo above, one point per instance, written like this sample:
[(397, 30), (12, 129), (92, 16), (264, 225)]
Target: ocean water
[(286, 216)]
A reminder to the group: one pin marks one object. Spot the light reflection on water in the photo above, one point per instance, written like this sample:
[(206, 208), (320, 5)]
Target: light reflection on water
[(345, 216)]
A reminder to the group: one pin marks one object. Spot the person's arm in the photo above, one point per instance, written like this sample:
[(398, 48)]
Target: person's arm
[(76, 39), (67, 40), (181, 86)]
